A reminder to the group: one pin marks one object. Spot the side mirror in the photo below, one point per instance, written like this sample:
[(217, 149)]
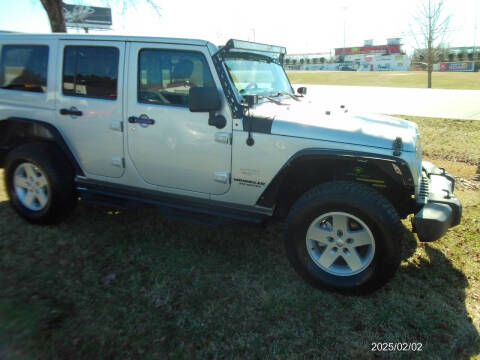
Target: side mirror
[(302, 90), (207, 99), (204, 99)]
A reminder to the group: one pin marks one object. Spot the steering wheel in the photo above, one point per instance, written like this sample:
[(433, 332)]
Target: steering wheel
[(153, 96), (252, 85), (249, 86)]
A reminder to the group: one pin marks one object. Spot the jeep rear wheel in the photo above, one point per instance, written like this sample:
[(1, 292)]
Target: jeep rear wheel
[(344, 236), (39, 182), (31, 186)]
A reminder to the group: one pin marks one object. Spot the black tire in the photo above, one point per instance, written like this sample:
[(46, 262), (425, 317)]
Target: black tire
[(59, 173), (362, 202)]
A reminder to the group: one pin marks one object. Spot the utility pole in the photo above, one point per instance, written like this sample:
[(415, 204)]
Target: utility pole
[(475, 31), (344, 35), (345, 7)]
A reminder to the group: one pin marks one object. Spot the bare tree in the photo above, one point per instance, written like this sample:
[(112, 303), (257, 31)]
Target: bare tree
[(54, 9), (429, 31)]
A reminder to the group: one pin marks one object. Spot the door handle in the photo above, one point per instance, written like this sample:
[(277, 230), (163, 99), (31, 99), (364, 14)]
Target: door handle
[(142, 120), (72, 111)]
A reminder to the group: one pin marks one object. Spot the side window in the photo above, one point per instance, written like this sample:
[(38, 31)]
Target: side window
[(165, 77), (24, 67), (90, 71)]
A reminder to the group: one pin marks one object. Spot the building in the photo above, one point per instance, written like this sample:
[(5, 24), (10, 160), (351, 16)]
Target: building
[(368, 57), (371, 57), (465, 50), (393, 47), (308, 58)]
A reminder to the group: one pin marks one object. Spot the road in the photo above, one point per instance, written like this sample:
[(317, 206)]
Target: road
[(442, 103)]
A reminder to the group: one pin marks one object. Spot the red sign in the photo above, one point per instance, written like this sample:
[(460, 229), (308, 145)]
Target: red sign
[(457, 66), (389, 49)]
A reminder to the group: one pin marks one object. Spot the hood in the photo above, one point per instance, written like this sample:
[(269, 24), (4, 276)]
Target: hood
[(309, 120)]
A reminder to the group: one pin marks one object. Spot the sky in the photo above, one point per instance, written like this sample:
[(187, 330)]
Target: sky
[(306, 26)]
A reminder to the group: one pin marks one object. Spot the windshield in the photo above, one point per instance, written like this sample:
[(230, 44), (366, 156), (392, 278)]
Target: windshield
[(256, 74)]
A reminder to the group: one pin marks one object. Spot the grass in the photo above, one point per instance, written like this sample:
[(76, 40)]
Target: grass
[(129, 284), (407, 79), (450, 139)]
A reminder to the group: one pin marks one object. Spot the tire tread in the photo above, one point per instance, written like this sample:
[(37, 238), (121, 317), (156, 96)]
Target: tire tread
[(374, 201), (60, 173)]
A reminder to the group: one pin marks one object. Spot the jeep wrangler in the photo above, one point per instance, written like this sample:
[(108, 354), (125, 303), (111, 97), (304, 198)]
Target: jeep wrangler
[(214, 134)]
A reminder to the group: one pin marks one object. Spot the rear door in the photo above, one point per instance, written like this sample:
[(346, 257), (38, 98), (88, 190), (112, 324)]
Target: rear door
[(89, 103), (178, 150)]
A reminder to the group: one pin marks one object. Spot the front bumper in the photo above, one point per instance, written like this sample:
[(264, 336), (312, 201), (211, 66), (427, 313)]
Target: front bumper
[(440, 209)]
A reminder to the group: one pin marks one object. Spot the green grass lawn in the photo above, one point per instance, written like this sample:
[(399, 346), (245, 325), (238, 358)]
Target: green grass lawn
[(131, 285), (449, 139), (408, 79)]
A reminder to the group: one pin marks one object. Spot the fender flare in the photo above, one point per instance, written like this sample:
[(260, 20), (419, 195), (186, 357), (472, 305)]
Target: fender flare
[(18, 130), (381, 162)]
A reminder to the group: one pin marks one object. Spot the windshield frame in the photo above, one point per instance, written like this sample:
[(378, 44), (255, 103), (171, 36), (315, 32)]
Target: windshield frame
[(255, 56), (233, 97)]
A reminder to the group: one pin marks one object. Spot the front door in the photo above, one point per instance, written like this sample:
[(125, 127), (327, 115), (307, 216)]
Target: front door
[(89, 104), (173, 147)]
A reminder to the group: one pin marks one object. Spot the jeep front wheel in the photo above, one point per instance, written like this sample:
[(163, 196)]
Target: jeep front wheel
[(344, 236), (39, 182)]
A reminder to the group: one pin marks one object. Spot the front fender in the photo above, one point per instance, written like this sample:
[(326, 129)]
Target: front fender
[(310, 167)]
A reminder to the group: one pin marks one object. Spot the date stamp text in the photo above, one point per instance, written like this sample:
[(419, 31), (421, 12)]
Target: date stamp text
[(396, 346)]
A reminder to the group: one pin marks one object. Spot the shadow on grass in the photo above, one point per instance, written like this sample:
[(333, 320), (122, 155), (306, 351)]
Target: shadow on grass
[(441, 310), (109, 284)]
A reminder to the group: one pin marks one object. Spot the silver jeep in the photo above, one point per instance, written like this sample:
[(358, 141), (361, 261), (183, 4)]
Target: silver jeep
[(214, 134)]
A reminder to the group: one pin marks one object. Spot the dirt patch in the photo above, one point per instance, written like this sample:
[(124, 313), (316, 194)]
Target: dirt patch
[(456, 168), (471, 184)]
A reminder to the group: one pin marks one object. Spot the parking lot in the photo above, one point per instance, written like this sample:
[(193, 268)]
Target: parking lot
[(441, 103)]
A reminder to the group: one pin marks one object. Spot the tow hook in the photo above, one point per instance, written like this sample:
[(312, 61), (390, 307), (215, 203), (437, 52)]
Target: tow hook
[(448, 194)]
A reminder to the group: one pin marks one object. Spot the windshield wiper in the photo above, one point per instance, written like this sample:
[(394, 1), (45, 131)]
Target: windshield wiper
[(271, 99), (278, 102), (282, 92)]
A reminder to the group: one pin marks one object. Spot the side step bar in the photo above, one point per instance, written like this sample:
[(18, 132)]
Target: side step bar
[(171, 206)]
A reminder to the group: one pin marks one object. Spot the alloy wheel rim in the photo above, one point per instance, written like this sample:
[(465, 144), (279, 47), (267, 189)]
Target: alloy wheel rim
[(340, 243), (31, 186)]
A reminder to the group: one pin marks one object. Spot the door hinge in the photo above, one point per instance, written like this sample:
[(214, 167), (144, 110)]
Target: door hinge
[(223, 137), (116, 125), (222, 177), (118, 161)]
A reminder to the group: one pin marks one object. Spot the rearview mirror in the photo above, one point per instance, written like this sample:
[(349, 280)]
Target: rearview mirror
[(203, 99)]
